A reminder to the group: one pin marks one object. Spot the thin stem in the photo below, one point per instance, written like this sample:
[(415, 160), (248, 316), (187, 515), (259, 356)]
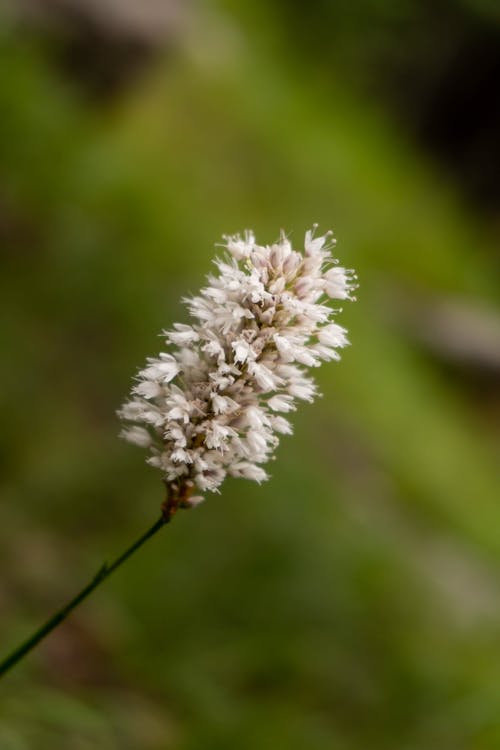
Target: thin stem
[(106, 570)]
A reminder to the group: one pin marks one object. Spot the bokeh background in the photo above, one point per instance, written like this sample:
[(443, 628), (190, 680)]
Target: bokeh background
[(353, 601)]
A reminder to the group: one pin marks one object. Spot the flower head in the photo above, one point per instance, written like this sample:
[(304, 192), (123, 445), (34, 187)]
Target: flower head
[(211, 406)]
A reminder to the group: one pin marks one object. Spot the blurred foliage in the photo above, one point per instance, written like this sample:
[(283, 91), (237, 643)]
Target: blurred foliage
[(351, 602)]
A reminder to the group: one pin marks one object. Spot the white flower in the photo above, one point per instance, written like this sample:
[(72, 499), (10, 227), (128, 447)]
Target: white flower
[(256, 417), (195, 500), (248, 471), (178, 406), (256, 441), (223, 404), (240, 248), (333, 335), (182, 335), (176, 434), (264, 377), (210, 406), (304, 390), (165, 368), (242, 350), (137, 436), (313, 245), (217, 435), (281, 403), (147, 388), (280, 424), (338, 284), (179, 455), (285, 347)]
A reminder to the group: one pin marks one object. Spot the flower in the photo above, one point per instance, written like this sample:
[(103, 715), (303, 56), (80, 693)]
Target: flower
[(211, 406)]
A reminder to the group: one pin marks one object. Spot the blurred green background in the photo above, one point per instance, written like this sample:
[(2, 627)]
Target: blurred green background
[(352, 602)]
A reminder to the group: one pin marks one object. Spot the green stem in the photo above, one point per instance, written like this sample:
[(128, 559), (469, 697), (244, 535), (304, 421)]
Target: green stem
[(106, 570)]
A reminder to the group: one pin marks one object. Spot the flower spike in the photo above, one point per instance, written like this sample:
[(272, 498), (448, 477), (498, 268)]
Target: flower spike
[(211, 406)]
